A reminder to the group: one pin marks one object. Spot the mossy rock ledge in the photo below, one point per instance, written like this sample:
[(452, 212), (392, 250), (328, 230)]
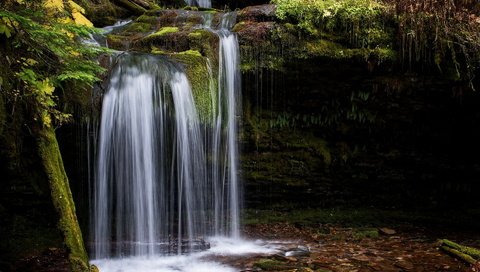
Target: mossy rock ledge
[(178, 35)]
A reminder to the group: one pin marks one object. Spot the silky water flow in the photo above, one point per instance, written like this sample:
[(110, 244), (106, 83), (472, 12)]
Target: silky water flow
[(165, 182)]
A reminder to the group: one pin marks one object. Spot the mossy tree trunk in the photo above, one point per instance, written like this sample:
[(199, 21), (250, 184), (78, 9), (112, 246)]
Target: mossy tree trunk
[(52, 162)]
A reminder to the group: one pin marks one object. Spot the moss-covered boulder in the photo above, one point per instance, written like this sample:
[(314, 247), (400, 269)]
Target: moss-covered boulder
[(180, 35), (170, 31)]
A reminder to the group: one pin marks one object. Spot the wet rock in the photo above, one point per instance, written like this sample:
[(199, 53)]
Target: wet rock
[(300, 251), (272, 265), (361, 258), (387, 231), (405, 265), (172, 246), (253, 32), (258, 13)]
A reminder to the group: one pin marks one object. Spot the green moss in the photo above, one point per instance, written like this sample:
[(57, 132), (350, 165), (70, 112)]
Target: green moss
[(204, 89), (145, 18), (163, 31), (118, 42), (167, 38), (49, 153), (192, 8), (131, 6), (157, 51), (363, 233), (329, 14), (239, 26), (191, 53), (271, 265), (138, 27), (195, 35), (205, 42)]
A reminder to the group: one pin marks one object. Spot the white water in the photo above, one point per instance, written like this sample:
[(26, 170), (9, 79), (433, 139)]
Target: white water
[(99, 39), (200, 3), (229, 86), (196, 262), (132, 127), (155, 192)]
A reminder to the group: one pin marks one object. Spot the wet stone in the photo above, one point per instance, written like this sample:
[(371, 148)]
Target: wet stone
[(300, 251), (171, 247), (387, 231)]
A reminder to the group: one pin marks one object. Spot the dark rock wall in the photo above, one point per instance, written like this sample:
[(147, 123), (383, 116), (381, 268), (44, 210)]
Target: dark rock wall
[(28, 221), (328, 133), (235, 4)]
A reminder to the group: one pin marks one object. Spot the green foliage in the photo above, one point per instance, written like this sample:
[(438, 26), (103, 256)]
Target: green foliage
[(45, 54), (359, 20), (439, 34), (449, 41), (47, 62)]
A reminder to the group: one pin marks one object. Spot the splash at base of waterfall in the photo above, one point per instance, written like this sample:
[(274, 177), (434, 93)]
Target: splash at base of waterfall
[(196, 262)]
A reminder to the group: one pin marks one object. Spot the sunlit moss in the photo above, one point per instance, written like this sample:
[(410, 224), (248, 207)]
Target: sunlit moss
[(163, 31), (191, 53)]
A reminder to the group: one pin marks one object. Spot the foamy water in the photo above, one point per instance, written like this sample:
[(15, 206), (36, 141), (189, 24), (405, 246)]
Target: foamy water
[(196, 262)]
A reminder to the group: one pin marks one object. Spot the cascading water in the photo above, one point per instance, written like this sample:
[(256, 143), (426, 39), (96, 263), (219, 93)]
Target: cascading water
[(229, 86), (200, 3), (162, 182)]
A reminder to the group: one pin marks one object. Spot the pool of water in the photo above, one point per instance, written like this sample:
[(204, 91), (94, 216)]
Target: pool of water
[(196, 262)]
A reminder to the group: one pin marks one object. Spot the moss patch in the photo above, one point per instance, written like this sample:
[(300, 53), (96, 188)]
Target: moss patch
[(362, 233), (191, 53), (163, 31), (138, 27), (147, 19), (203, 87), (272, 265), (118, 42), (131, 6)]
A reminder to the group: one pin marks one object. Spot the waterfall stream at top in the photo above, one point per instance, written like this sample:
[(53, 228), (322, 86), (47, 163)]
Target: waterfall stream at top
[(164, 181), (200, 3)]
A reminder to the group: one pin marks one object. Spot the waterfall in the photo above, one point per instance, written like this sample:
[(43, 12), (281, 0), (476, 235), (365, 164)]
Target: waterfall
[(229, 86), (163, 180), (131, 158), (200, 3)]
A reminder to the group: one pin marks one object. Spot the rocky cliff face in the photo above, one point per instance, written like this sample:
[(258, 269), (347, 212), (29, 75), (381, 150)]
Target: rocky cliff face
[(328, 122)]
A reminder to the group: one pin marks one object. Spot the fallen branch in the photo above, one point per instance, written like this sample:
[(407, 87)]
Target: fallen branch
[(469, 255), (475, 253), (460, 255)]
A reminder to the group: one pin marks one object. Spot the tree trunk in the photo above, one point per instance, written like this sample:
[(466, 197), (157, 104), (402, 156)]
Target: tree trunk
[(52, 162), (460, 255)]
